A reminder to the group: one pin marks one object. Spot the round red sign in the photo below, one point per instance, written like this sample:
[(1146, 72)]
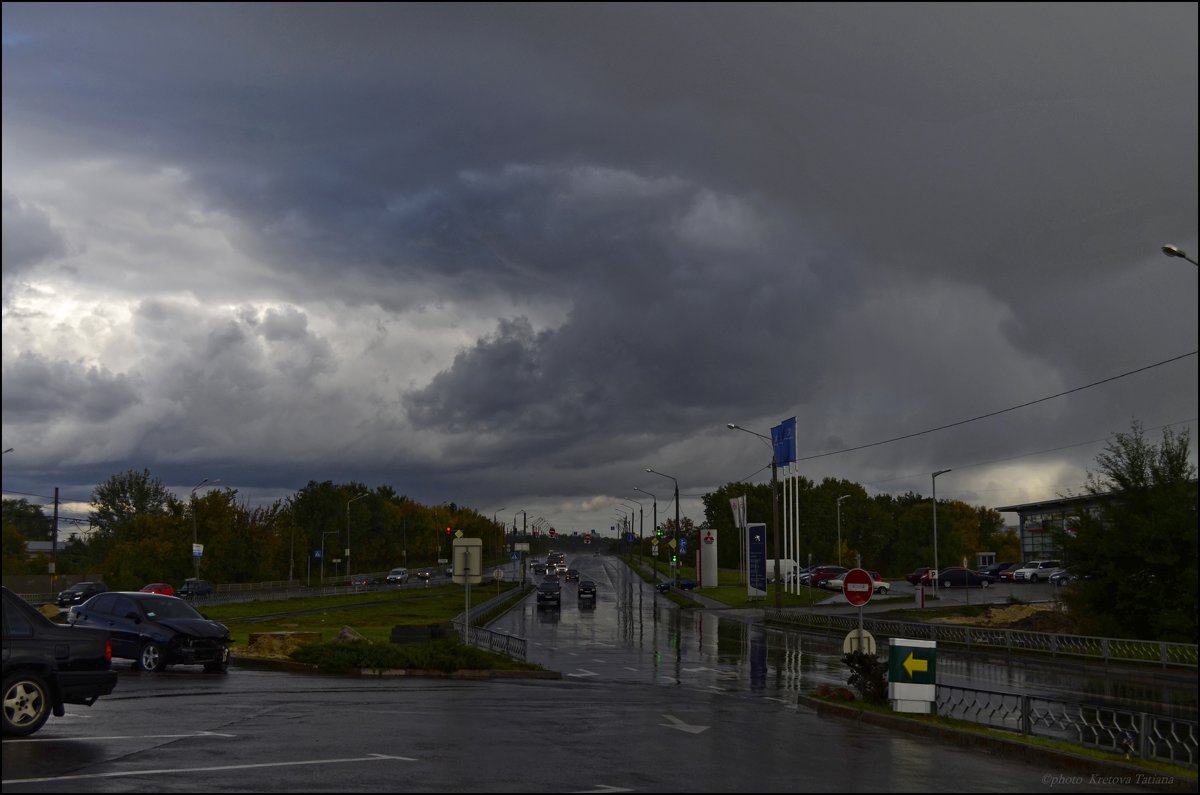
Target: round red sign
[(857, 586)]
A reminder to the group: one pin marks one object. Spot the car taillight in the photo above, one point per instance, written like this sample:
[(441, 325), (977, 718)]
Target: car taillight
[(108, 649)]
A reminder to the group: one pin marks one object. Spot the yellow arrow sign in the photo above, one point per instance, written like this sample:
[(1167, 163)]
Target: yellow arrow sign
[(912, 664)]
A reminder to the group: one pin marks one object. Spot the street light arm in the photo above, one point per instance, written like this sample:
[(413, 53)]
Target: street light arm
[(1175, 251)]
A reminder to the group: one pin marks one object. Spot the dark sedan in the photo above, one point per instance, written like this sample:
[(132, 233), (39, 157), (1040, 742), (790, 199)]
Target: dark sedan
[(156, 631), (80, 592), (47, 665), (958, 578), (587, 592)]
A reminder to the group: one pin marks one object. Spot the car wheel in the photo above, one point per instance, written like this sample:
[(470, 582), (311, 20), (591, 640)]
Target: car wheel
[(985, 584), (881, 590), (26, 703), (152, 658), (1033, 578), (221, 666), (946, 584)]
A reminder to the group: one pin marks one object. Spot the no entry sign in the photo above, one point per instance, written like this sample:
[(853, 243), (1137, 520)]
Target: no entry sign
[(857, 587)]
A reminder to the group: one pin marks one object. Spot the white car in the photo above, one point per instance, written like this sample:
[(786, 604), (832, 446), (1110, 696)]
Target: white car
[(1036, 570), (397, 576), (881, 586)]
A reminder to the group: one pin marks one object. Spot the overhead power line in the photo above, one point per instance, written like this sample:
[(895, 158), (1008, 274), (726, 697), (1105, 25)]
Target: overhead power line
[(1001, 411)]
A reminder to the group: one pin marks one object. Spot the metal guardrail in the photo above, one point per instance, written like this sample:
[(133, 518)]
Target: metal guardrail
[(1142, 734), (501, 643), (1178, 655)]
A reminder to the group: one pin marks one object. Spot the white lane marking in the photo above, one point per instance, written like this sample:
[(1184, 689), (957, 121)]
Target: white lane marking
[(369, 758), (586, 672), (119, 737), (676, 723)]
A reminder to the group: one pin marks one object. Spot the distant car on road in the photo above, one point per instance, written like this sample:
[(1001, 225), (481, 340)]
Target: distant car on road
[(549, 593), (571, 575), (80, 592), (47, 665), (587, 591), (397, 576), (193, 588), (663, 586), (425, 574), (155, 630), (164, 588), (364, 582)]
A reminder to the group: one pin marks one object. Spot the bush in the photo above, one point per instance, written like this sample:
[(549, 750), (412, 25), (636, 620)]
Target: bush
[(443, 655), (868, 675)]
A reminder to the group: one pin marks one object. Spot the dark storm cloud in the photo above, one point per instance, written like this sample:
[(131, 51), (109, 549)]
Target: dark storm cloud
[(38, 391), (455, 236)]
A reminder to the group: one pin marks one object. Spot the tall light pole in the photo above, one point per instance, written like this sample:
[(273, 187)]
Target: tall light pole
[(500, 528), (9, 450), (676, 482), (641, 525), (655, 527), (839, 514), (326, 533), (352, 499), (935, 554), (775, 530), (195, 558), (1175, 251)]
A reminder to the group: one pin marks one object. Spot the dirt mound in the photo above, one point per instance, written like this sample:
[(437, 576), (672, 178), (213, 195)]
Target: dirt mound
[(1032, 618)]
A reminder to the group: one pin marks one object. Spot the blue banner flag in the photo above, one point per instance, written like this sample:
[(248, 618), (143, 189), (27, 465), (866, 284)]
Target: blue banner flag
[(783, 440)]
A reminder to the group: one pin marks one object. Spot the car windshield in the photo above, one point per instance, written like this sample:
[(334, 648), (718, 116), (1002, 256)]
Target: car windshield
[(167, 607)]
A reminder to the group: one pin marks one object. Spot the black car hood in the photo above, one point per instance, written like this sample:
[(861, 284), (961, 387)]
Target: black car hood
[(196, 627)]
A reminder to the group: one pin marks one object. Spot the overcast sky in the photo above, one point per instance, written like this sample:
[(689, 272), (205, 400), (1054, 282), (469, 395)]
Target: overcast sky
[(510, 256)]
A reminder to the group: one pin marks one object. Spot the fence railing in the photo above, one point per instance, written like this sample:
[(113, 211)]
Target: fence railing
[(1145, 735), (484, 638), (1166, 655)]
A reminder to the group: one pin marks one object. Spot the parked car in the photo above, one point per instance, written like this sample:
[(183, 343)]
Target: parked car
[(917, 575), (164, 588), (664, 586), (571, 575), (1006, 575), (155, 630), (686, 584), (549, 592), (80, 592), (397, 576), (881, 585), (993, 571), (957, 577), (1061, 577), (193, 588), (1036, 570), (587, 591), (822, 574), (364, 582), (48, 665)]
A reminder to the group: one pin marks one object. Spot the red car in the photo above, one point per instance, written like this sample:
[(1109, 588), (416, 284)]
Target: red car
[(159, 587), (822, 574), (917, 575)]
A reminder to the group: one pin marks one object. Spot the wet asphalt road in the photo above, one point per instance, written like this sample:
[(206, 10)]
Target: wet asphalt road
[(652, 699)]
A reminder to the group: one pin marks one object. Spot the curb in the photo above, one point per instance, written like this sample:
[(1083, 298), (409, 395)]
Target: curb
[(1088, 770), (291, 666)]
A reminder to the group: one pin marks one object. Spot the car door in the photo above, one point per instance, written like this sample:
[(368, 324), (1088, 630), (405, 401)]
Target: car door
[(123, 619)]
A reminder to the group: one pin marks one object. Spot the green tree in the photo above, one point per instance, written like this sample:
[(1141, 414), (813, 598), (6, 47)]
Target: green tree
[(1135, 557), (27, 519)]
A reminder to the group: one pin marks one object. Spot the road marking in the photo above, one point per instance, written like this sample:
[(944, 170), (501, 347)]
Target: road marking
[(120, 737), (162, 771), (586, 672), (676, 723), (601, 789)]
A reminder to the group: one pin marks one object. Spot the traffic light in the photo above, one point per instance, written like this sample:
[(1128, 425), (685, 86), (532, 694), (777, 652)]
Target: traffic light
[(449, 531), (658, 532)]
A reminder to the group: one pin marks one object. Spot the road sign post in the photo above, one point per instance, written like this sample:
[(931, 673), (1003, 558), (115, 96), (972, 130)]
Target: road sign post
[(857, 587), (912, 675)]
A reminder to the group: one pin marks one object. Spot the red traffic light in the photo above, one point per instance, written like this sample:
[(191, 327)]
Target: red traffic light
[(449, 531)]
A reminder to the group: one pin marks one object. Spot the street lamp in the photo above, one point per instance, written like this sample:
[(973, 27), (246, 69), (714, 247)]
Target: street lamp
[(496, 526), (935, 554), (9, 450), (839, 514), (352, 499), (326, 533), (641, 525), (655, 526), (195, 557), (1175, 251), (774, 508), (676, 551)]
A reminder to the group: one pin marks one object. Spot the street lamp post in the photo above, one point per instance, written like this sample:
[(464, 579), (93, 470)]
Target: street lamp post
[(935, 551), (839, 517), (496, 525), (352, 499), (641, 525), (676, 482), (774, 509), (326, 533), (1175, 251), (195, 558), (655, 543)]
